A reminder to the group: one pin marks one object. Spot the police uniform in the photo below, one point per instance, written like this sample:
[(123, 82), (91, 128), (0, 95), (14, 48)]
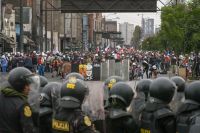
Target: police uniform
[(157, 117), (15, 115), (72, 121), (46, 105), (138, 104), (118, 119), (188, 116), (15, 112), (69, 118)]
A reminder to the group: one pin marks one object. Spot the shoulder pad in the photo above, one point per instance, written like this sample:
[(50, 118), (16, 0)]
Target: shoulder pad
[(164, 112), (116, 113)]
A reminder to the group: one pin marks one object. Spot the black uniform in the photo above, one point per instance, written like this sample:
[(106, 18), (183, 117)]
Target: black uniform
[(15, 113), (69, 118), (157, 117), (188, 116), (118, 119), (46, 105), (71, 121)]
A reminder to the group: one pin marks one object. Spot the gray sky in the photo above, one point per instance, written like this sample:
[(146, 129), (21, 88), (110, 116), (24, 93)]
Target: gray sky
[(135, 18)]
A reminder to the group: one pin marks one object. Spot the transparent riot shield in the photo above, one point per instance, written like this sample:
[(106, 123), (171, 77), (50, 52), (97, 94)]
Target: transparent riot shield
[(93, 104), (34, 96), (138, 105), (55, 95)]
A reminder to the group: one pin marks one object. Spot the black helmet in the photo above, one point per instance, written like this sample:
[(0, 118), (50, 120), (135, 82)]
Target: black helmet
[(143, 86), (180, 83), (43, 81), (192, 92), (46, 93), (73, 92), (111, 81), (74, 75), (162, 89), (19, 77), (121, 93)]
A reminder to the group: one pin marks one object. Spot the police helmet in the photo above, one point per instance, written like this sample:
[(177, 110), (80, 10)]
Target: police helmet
[(111, 81), (43, 81), (143, 86), (74, 75), (180, 83), (162, 89), (121, 93), (192, 91), (73, 93), (19, 77), (46, 93)]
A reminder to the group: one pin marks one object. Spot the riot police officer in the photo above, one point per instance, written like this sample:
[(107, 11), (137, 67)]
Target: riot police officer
[(46, 105), (139, 102), (70, 118), (188, 115), (157, 117), (108, 84), (118, 119), (15, 111), (74, 75), (179, 96)]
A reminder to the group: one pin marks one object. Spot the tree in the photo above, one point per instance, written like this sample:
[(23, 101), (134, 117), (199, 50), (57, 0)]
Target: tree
[(136, 36), (180, 28)]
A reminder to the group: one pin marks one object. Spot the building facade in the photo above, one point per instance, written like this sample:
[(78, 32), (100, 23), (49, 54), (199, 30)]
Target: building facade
[(147, 27), (126, 30)]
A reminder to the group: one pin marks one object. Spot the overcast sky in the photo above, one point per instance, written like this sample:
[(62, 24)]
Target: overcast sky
[(135, 18)]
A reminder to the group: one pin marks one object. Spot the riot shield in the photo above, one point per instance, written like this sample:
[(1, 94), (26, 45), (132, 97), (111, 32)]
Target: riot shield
[(34, 96), (138, 105), (177, 101), (93, 104), (55, 95)]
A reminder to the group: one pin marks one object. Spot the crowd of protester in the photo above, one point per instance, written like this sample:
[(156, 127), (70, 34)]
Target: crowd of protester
[(141, 62)]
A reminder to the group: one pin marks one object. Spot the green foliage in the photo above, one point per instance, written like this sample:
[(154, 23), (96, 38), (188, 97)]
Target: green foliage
[(136, 36), (180, 28)]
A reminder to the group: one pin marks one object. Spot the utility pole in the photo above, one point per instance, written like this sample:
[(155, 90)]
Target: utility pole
[(52, 46), (21, 27), (64, 41), (1, 15), (34, 22), (46, 25), (41, 25), (71, 32)]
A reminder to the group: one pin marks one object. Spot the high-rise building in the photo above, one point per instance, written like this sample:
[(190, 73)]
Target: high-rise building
[(147, 27), (126, 30)]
